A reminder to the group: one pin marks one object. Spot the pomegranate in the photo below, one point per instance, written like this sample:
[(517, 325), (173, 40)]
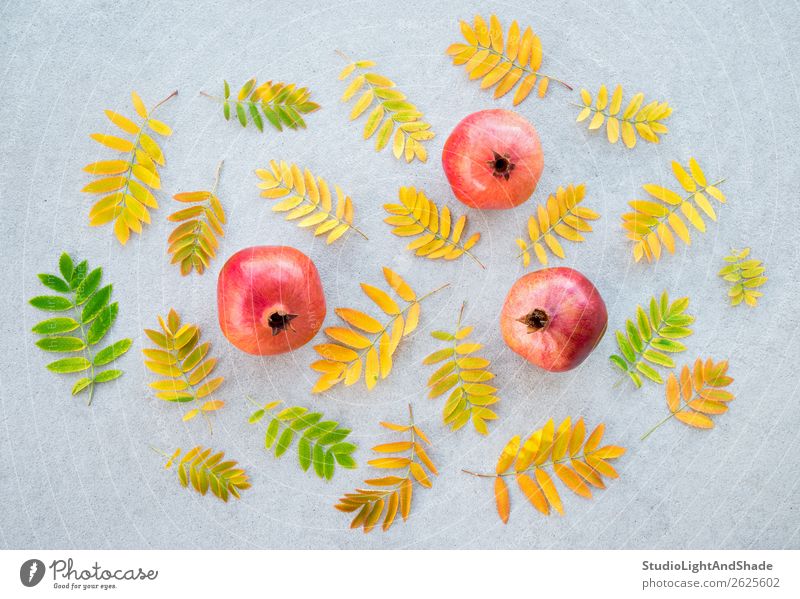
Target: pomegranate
[(493, 159), (553, 317), (269, 300)]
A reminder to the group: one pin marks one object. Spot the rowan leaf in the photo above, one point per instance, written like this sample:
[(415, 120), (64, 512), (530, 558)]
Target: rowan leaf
[(307, 200), (576, 461), (745, 275), (388, 494), (194, 242), (281, 104), (126, 199), (653, 225), (204, 470), (368, 352), (437, 235), (646, 121), (698, 393), (561, 214), (81, 294), (318, 438), (391, 114), (462, 379), (183, 360), (502, 65), (643, 343)]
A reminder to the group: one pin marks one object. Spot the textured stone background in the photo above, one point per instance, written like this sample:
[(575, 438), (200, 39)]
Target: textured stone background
[(78, 477)]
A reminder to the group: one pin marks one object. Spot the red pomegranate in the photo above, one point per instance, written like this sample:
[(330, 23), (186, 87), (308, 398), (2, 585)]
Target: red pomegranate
[(269, 300), (493, 159), (553, 317)]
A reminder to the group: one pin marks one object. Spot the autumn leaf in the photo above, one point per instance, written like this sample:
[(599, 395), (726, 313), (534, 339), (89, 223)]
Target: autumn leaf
[(656, 223), (194, 243), (697, 395), (561, 215), (390, 494), (502, 60), (127, 182), (746, 275), (635, 119), (551, 454)]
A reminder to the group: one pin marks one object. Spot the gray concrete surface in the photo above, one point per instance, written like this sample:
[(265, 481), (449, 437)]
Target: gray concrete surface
[(78, 477)]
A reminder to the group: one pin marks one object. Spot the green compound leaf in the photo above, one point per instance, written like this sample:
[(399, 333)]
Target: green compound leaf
[(745, 275), (78, 287), (281, 104), (320, 443), (647, 342)]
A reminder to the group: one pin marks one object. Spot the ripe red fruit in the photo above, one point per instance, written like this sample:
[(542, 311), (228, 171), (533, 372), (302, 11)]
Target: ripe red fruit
[(269, 300), (553, 317), (493, 159)]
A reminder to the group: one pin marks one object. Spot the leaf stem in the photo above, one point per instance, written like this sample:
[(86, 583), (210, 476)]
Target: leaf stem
[(164, 101), (216, 176), (652, 430), (532, 467), (159, 451), (87, 349)]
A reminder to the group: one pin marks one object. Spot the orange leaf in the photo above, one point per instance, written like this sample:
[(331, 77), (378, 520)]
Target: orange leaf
[(533, 493), (695, 419), (673, 394), (549, 489), (570, 478), (501, 498)]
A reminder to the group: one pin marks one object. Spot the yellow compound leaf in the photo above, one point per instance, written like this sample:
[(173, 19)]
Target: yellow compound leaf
[(391, 109), (653, 223), (502, 61), (745, 275), (194, 243), (437, 236), (127, 210), (462, 379), (369, 350), (308, 200), (646, 122), (561, 215), (204, 471), (697, 395)]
